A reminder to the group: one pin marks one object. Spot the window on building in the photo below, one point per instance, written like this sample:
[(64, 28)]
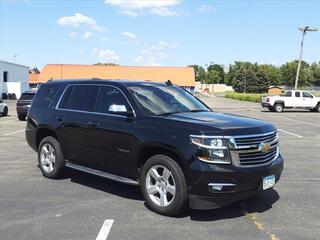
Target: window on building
[(80, 97), (5, 76)]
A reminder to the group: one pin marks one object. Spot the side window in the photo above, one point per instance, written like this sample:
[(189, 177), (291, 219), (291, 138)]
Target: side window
[(306, 95), (45, 95), (79, 97), (288, 94), (111, 100), (297, 94)]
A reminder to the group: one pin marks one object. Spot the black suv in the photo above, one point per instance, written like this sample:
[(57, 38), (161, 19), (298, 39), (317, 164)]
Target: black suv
[(155, 135), (24, 103)]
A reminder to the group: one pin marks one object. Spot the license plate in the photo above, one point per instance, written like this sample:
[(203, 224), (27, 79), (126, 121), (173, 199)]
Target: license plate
[(268, 182)]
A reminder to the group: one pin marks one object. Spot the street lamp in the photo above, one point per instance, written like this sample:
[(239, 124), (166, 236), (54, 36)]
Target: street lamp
[(14, 57), (304, 31)]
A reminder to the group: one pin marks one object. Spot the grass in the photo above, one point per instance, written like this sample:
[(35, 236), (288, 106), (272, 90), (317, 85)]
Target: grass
[(249, 97)]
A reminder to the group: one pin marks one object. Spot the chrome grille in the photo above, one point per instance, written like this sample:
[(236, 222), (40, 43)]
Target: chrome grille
[(247, 150)]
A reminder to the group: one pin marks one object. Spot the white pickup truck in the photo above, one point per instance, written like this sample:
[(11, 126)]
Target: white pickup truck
[(292, 99)]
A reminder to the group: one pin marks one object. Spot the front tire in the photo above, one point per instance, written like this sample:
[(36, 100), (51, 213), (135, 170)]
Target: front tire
[(50, 158), (5, 111), (21, 117), (317, 108), (163, 185), (278, 107)]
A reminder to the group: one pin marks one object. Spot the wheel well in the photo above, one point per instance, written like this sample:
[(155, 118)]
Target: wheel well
[(150, 151), (279, 102), (44, 132)]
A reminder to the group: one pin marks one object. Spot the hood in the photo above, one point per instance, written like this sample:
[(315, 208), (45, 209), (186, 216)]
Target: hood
[(228, 124)]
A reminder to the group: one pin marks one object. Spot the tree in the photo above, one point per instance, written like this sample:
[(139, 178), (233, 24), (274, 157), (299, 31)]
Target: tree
[(213, 76), (106, 64), (315, 72), (219, 69), (200, 73), (288, 73), (271, 72), (34, 70)]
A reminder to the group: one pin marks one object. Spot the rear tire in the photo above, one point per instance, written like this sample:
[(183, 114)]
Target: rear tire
[(164, 186), (278, 107), (5, 111), (50, 158), (21, 117)]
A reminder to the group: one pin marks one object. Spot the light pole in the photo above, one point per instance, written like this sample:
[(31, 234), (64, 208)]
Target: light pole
[(14, 57), (304, 31)]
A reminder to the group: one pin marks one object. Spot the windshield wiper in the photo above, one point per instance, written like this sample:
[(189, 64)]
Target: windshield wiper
[(168, 113), (199, 110), (195, 110)]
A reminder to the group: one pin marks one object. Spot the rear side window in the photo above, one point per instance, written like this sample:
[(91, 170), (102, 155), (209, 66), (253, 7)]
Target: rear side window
[(288, 94), (297, 94), (27, 96), (45, 95), (79, 97), (111, 100)]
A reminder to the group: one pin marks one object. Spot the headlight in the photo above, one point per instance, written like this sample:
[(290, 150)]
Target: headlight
[(213, 149)]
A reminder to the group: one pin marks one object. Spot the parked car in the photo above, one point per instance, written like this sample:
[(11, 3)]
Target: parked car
[(292, 99), (155, 135), (24, 104), (3, 108)]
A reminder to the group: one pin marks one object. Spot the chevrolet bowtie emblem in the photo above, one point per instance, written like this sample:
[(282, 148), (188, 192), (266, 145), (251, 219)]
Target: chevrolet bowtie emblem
[(264, 147)]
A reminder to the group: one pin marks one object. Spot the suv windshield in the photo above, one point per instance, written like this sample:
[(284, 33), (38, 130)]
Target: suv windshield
[(163, 100)]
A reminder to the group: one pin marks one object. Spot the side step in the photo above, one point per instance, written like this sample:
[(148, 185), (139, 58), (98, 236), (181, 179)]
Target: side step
[(102, 174)]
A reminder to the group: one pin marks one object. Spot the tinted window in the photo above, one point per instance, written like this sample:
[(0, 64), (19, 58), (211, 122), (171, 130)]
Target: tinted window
[(45, 95), (288, 94), (306, 94), (297, 94), (80, 97), (111, 100), (162, 99), (27, 96)]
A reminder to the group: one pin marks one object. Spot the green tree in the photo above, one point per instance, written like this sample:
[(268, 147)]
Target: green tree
[(106, 64), (315, 72), (271, 72), (200, 73), (219, 69), (288, 73), (213, 76)]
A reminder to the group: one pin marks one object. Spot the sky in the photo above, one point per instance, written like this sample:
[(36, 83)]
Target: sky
[(157, 32)]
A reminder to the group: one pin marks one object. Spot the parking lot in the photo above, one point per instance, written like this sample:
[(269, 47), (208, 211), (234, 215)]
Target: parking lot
[(34, 207)]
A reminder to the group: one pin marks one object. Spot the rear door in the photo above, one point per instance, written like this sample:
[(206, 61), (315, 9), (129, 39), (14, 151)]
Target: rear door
[(75, 111), (114, 133)]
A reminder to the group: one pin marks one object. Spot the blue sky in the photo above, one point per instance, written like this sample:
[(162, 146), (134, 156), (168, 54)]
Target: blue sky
[(156, 32)]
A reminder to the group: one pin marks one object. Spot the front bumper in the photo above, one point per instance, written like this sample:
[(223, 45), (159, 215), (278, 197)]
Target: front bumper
[(264, 104), (245, 183)]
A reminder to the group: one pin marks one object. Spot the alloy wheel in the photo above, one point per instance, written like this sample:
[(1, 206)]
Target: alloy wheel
[(47, 158)]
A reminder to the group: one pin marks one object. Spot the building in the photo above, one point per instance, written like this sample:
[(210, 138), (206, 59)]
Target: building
[(275, 90), (182, 76), (33, 79), (13, 79)]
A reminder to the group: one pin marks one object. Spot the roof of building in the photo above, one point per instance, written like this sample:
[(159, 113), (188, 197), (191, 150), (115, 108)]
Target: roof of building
[(33, 77), (11, 63), (182, 76)]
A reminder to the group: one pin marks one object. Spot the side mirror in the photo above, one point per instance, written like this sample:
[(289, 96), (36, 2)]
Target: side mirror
[(121, 110)]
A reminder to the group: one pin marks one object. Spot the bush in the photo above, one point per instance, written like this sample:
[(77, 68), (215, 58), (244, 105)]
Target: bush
[(249, 97)]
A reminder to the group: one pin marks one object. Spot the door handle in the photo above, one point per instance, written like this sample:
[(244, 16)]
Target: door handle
[(59, 118), (93, 124)]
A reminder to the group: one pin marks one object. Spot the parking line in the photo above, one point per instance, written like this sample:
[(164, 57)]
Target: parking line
[(8, 121), (293, 134), (307, 123), (7, 134), (105, 229)]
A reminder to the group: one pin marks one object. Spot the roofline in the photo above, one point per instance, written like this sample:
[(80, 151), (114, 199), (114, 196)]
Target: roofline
[(70, 64), (2, 61)]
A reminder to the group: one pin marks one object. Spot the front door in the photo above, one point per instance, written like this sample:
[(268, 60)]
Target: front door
[(307, 100)]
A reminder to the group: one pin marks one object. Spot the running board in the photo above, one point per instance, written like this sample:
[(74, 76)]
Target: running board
[(102, 174)]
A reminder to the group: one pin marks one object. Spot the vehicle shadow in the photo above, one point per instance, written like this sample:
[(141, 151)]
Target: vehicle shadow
[(106, 185), (258, 204)]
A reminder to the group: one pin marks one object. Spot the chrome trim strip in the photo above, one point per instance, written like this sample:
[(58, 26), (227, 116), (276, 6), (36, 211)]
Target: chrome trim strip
[(85, 84), (102, 174), (214, 161), (236, 136), (222, 184)]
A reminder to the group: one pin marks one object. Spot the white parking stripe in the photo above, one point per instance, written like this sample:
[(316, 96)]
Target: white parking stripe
[(293, 134), (8, 121), (7, 134), (105, 229), (306, 123)]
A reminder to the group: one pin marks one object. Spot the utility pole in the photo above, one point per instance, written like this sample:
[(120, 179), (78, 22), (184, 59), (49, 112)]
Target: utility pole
[(304, 32)]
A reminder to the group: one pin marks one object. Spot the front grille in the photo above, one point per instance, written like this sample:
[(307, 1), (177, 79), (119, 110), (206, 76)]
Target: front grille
[(248, 150)]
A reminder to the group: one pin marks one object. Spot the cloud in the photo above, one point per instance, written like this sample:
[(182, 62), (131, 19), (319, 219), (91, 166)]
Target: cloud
[(72, 34), (152, 54), (105, 55), (135, 8), (104, 39), (205, 8), (80, 20), (87, 35), (129, 35)]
